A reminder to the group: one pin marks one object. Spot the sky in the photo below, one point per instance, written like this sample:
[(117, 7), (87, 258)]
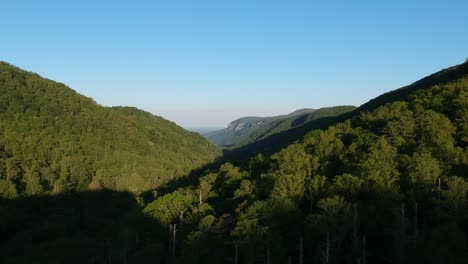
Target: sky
[(205, 63)]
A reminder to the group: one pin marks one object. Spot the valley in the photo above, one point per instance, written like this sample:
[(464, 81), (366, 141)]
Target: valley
[(385, 182)]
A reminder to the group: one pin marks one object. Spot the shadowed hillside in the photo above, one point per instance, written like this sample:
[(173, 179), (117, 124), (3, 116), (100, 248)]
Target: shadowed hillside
[(88, 227)]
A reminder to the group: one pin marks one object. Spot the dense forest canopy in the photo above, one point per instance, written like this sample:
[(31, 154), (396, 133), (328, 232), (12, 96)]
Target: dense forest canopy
[(386, 183), (54, 140)]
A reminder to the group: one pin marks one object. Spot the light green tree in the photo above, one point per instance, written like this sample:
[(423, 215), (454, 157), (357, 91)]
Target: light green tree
[(379, 168)]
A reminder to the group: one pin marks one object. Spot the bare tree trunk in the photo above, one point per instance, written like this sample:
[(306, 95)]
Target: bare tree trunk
[(268, 256), (326, 252), (416, 229), (124, 253), (438, 205), (170, 239), (235, 254), (300, 251), (181, 217), (174, 240), (109, 254), (364, 250), (355, 235), (328, 248), (200, 198), (438, 187), (401, 236), (355, 220)]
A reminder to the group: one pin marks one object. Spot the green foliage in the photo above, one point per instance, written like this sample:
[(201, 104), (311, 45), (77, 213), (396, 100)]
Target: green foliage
[(53, 140), (386, 185), (246, 190), (348, 186), (379, 167), (456, 194), (315, 188), (230, 178), (425, 169), (171, 207), (333, 211)]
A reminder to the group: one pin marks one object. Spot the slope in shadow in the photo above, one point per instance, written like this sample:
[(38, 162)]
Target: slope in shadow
[(87, 227)]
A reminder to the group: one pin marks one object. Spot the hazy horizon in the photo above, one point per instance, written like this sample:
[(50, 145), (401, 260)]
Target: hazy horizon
[(207, 63)]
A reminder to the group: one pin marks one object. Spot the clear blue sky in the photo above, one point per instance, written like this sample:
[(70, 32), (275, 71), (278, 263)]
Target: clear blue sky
[(204, 63)]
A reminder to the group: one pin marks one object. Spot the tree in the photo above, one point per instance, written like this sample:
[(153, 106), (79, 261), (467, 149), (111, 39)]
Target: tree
[(425, 169), (170, 207), (293, 160), (289, 186), (379, 168), (456, 195), (229, 178), (246, 190), (251, 238), (7, 189), (347, 186), (206, 185), (436, 134), (33, 181), (332, 223), (315, 188)]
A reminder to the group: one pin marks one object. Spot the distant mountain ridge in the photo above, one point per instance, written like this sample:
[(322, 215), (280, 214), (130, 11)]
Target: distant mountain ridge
[(252, 121), (240, 129), (280, 140), (247, 130), (295, 120)]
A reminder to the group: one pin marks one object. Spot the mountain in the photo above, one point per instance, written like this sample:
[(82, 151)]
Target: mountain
[(278, 141), (246, 130), (53, 139), (240, 129), (387, 182), (296, 119)]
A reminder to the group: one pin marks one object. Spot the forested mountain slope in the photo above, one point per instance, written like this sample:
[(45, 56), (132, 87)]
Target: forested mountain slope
[(284, 124), (388, 185), (241, 128), (278, 141), (247, 130), (53, 139)]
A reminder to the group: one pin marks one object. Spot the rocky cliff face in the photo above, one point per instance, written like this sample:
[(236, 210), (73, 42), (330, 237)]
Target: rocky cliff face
[(239, 125), (249, 129), (240, 129)]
